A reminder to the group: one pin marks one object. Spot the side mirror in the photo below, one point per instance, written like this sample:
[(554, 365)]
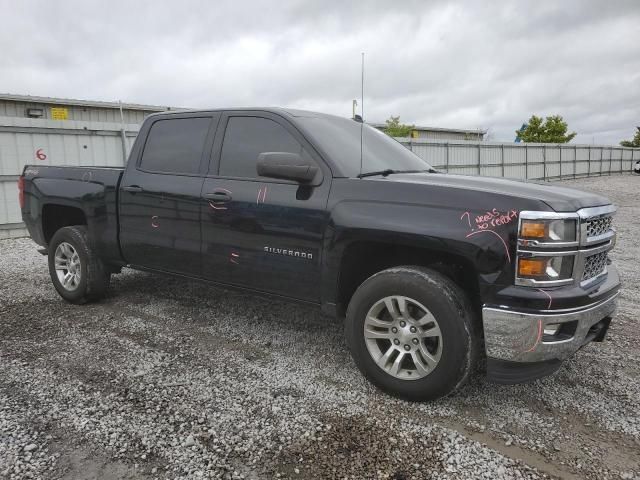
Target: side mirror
[(286, 166)]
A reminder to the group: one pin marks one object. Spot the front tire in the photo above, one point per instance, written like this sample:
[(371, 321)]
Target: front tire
[(77, 273), (412, 333)]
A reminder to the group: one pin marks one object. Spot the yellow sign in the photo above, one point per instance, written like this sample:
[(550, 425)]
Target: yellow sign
[(59, 113)]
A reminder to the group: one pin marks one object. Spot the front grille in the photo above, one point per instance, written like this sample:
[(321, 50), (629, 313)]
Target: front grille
[(598, 226), (594, 265)]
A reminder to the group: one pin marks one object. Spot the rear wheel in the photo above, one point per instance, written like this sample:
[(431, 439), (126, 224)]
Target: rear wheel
[(411, 331), (77, 273)]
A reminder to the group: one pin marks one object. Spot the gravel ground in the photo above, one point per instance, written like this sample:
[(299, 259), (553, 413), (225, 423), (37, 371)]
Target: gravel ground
[(174, 379)]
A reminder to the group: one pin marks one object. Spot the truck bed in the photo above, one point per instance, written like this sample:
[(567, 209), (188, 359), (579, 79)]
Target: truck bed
[(90, 192)]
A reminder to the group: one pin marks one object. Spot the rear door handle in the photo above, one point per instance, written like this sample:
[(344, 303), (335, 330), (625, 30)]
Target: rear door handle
[(218, 196), (133, 189)]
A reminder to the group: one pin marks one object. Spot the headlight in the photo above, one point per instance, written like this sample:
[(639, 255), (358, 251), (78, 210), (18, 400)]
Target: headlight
[(548, 231), (545, 268)]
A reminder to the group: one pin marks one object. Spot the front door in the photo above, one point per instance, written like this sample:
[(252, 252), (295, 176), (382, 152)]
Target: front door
[(160, 194), (258, 232)]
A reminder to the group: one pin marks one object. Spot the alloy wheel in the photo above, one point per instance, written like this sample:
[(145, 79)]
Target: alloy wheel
[(68, 267), (403, 337)]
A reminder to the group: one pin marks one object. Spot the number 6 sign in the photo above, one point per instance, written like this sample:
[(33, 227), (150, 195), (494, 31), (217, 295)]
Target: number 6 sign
[(40, 155)]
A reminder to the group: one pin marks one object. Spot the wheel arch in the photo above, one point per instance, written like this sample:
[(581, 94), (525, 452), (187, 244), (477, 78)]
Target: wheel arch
[(56, 216), (363, 258)]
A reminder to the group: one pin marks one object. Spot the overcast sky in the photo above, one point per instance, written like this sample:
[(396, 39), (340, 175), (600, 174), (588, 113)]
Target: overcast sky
[(445, 64)]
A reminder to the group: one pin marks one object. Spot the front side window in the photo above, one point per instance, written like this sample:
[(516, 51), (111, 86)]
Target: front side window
[(175, 145), (248, 137)]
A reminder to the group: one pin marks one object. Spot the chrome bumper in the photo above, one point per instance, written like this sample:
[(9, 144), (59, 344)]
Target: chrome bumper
[(518, 337)]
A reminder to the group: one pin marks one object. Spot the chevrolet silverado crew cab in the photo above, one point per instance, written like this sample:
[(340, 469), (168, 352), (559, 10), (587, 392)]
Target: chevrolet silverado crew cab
[(435, 274)]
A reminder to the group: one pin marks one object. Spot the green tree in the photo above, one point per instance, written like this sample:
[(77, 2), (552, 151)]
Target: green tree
[(396, 129), (551, 130), (635, 143)]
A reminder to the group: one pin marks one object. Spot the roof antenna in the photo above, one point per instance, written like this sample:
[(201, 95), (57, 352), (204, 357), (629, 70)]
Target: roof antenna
[(362, 89), (361, 110)]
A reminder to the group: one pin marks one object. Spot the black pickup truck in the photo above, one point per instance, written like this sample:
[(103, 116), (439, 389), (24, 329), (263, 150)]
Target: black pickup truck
[(435, 274)]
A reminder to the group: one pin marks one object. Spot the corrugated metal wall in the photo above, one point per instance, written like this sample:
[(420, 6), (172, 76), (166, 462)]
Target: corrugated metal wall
[(437, 135), (64, 132), (11, 108), (522, 160), (48, 142)]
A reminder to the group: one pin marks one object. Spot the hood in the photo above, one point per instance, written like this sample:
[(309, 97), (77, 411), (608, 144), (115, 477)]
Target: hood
[(560, 199)]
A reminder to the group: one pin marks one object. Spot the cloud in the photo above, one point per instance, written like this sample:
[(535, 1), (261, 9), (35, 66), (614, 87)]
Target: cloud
[(466, 65)]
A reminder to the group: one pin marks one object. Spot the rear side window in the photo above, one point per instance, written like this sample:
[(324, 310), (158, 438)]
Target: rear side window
[(246, 138), (175, 145)]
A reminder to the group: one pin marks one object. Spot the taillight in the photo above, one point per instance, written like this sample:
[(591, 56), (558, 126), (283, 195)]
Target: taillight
[(21, 191)]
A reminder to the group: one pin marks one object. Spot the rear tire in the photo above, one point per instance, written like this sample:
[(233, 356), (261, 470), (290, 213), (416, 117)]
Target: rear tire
[(412, 333), (77, 273)]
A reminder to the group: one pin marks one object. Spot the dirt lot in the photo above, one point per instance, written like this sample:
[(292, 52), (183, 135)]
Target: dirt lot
[(175, 379)]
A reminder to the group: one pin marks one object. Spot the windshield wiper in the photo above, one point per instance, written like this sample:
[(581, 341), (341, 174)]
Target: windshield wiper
[(390, 171), (384, 173)]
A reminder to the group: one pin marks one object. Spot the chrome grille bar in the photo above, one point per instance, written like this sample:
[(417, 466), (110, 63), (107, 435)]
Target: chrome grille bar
[(596, 224)]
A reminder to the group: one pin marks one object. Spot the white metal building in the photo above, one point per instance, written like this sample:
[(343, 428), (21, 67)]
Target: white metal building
[(439, 133), (56, 131)]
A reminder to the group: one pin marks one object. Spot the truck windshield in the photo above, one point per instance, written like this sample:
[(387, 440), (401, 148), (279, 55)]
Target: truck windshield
[(339, 138)]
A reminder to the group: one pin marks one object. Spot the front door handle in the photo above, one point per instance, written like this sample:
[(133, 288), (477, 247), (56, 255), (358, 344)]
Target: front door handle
[(218, 196), (133, 189)]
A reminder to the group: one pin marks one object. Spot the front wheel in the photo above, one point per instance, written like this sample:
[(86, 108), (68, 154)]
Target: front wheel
[(76, 271), (411, 332)]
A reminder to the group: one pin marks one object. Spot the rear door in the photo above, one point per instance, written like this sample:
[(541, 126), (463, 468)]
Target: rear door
[(259, 232), (160, 194)]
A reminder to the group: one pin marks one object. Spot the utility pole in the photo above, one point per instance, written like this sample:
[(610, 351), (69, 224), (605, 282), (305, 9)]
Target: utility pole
[(123, 133)]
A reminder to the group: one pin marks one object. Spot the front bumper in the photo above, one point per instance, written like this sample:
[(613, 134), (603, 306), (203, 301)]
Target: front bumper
[(516, 340)]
